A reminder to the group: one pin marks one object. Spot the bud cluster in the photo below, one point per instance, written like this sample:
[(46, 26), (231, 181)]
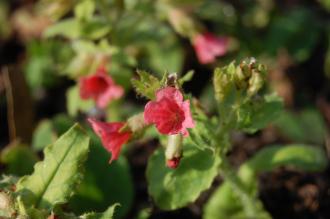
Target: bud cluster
[(247, 78)]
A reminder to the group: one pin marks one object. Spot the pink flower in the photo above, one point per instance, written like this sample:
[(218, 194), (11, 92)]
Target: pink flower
[(169, 112), (208, 47), (111, 138), (100, 87), (173, 163)]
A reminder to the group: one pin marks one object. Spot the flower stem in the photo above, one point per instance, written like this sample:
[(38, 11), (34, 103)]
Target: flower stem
[(249, 202)]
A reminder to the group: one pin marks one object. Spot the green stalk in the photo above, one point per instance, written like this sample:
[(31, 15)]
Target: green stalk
[(227, 170), (230, 175)]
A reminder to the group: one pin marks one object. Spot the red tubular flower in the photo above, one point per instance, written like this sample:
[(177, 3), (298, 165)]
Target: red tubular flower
[(208, 47), (111, 138), (169, 112), (100, 87)]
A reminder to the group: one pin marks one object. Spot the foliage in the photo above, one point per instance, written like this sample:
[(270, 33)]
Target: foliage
[(68, 40)]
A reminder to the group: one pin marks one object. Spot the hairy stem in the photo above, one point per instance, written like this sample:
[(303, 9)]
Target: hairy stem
[(249, 202)]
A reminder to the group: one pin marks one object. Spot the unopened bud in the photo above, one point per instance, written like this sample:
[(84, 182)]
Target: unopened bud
[(173, 152), (136, 123), (173, 163), (222, 81), (255, 83)]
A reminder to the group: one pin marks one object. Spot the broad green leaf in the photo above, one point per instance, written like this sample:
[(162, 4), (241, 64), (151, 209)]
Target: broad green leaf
[(45, 59), (172, 189), (75, 103), (55, 178), (289, 31), (325, 4), (258, 114), (224, 203), (70, 28), (201, 135), (19, 159), (61, 123), (146, 85), (306, 126), (307, 158), (168, 55), (108, 214), (84, 9), (95, 28), (108, 185), (43, 135)]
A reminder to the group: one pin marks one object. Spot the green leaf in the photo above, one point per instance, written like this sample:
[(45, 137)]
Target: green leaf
[(289, 31), (201, 135), (306, 126), (225, 204), (43, 135), (95, 28), (19, 159), (108, 214), (172, 189), (61, 123), (168, 55), (84, 10), (146, 85), (54, 179), (75, 103), (258, 114), (108, 185), (187, 77), (307, 158), (325, 4), (69, 28)]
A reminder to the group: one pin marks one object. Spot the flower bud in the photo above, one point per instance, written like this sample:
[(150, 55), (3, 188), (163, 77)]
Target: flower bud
[(173, 163), (136, 123), (222, 82), (255, 83), (173, 152)]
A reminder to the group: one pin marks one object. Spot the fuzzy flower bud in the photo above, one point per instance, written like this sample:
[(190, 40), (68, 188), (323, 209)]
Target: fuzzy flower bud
[(173, 152)]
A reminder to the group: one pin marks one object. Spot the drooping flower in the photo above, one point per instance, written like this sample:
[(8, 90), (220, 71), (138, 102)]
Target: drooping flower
[(208, 47), (111, 137), (169, 112), (100, 87)]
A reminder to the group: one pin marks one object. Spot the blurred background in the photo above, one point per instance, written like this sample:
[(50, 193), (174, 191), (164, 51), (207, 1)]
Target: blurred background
[(45, 46)]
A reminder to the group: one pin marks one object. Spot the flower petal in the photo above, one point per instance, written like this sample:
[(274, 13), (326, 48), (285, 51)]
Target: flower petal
[(112, 139)]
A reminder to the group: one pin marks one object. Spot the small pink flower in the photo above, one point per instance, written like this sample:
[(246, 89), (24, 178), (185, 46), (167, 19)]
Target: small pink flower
[(169, 112), (100, 87), (208, 47), (173, 163), (111, 138)]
